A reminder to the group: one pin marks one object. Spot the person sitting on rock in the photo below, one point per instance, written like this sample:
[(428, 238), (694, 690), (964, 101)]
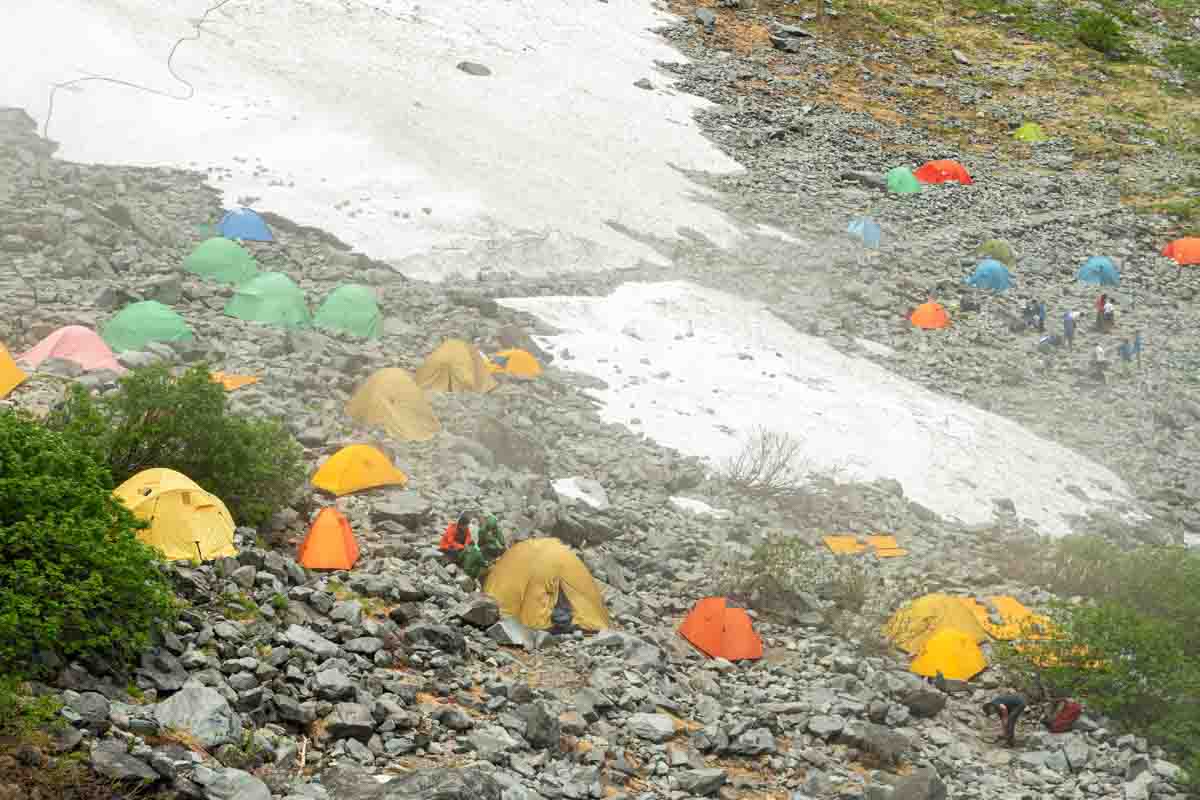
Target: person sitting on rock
[(472, 562), (491, 539), (1062, 716), (1009, 708), (456, 538)]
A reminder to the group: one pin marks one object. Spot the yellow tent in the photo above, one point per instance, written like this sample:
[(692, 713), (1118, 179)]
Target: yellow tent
[(391, 400), (355, 468), (951, 652), (915, 624), (527, 579), (1019, 622), (185, 521), (11, 376), (516, 362), (455, 367)]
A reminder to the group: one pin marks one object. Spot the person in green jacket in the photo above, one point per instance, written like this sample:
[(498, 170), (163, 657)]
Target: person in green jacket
[(472, 561), (491, 540)]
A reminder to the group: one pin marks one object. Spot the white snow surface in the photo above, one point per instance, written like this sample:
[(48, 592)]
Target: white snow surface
[(698, 507), (699, 370), (584, 490), (352, 115)]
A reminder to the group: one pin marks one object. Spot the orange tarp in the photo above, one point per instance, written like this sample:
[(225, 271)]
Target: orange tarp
[(720, 631), (930, 315), (844, 544), (943, 171), (885, 546), (233, 382), (1184, 251), (330, 543)]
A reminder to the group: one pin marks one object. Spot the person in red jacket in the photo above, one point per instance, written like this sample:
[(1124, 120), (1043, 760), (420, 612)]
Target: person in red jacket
[(456, 538)]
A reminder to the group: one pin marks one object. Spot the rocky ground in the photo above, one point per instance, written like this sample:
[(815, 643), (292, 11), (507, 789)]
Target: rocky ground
[(281, 682)]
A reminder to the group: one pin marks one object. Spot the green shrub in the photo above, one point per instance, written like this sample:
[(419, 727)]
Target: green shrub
[(74, 578), (21, 713), (1187, 58), (1102, 33), (157, 420)]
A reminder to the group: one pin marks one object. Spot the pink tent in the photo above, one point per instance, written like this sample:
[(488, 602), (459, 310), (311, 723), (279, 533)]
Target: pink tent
[(74, 343)]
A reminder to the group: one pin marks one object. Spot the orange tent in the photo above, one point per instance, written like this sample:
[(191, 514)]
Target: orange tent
[(930, 315), (721, 632), (1184, 251), (943, 171), (330, 543), (232, 382)]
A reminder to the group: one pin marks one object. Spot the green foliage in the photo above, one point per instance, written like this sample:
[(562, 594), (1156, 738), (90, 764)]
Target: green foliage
[(279, 602), (74, 578), (1187, 58), (22, 713), (158, 420), (1103, 34)]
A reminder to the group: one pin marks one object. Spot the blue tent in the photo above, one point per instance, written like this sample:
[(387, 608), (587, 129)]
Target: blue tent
[(867, 230), (1101, 270), (990, 274), (245, 224)]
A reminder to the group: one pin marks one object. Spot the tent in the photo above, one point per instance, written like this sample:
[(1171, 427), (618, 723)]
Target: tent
[(77, 344), (245, 224), (515, 362), (186, 522), (867, 230), (1030, 132), (233, 382), (330, 544), (900, 180), (221, 260), (721, 631), (11, 376), (930, 315), (999, 250), (943, 171), (990, 274), (527, 579), (271, 298), (455, 367), (355, 468), (141, 323), (1184, 251), (392, 400), (956, 655), (915, 624), (351, 308), (1101, 270)]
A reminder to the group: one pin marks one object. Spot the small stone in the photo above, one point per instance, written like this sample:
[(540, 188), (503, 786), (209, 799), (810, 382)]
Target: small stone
[(471, 68), (702, 782), (644, 83)]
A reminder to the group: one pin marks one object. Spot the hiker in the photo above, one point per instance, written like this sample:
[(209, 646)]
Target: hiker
[(562, 615), (1041, 316), (1110, 313), (1069, 328), (1062, 716), (1100, 363), (1126, 351), (456, 538), (1029, 313), (491, 540), (1049, 342), (1137, 347), (1009, 708), (472, 562), (1101, 301)]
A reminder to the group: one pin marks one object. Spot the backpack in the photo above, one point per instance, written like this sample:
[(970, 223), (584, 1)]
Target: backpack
[(1066, 718)]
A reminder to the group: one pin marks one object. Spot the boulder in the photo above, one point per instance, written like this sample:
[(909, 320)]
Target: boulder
[(350, 721), (701, 782), (826, 726), (542, 729), (511, 632), (652, 727), (924, 702), (202, 713), (509, 447), (111, 759), (439, 637), (345, 782), (311, 641), (233, 784), (923, 784), (333, 684), (407, 508), (883, 743), (479, 610)]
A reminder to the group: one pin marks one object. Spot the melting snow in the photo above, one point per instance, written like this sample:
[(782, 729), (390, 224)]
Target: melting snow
[(698, 507)]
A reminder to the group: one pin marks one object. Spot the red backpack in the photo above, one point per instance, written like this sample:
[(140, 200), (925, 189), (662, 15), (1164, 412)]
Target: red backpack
[(1066, 718)]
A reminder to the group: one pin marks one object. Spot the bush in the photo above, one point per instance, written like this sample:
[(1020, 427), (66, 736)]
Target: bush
[(22, 714), (769, 465), (157, 420), (1187, 58), (1102, 33), (75, 580)]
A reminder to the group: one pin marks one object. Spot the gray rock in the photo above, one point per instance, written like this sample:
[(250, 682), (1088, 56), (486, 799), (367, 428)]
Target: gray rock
[(509, 631), (311, 641), (407, 508), (350, 721), (1057, 761), (333, 684), (885, 744), (643, 83), (652, 727), (471, 68), (924, 702), (364, 645), (492, 743), (701, 782), (826, 726), (708, 18), (203, 713), (454, 718), (90, 710), (439, 637), (435, 783), (923, 784), (233, 784), (756, 742), (163, 670), (291, 710), (111, 759), (542, 729), (1078, 752), (479, 610), (961, 57), (509, 447), (347, 611)]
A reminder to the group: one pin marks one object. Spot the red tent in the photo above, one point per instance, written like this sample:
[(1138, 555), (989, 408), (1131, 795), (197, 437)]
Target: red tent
[(1184, 251), (943, 171), (720, 631)]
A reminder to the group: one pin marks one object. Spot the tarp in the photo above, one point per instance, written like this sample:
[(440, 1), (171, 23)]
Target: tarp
[(867, 230), (186, 522), (527, 579), (900, 180), (222, 260), (515, 362), (135, 326), (943, 171), (11, 376), (885, 546), (999, 250), (1184, 251), (353, 309), (245, 224), (990, 274), (1099, 270), (455, 367), (272, 298), (1030, 132), (392, 400), (844, 545), (956, 655), (75, 343), (930, 315), (233, 382), (355, 468), (330, 544), (721, 631)]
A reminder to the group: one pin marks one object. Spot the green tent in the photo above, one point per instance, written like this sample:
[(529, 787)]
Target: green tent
[(901, 181), (272, 298), (351, 308), (223, 260), (1000, 250), (1030, 132), (141, 323)]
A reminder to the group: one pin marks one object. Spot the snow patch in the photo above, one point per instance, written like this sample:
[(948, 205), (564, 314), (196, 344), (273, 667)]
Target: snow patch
[(698, 507), (584, 490), (701, 369)]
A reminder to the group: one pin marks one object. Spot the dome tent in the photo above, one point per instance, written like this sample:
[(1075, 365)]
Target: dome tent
[(1184, 251), (77, 344), (392, 400), (990, 274), (1099, 270), (529, 578), (930, 316), (330, 543), (455, 366), (355, 468), (270, 298), (999, 250), (867, 230), (943, 171), (11, 376), (136, 325), (221, 260), (351, 308), (1030, 132), (186, 522), (900, 180), (244, 224), (722, 631), (515, 362)]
